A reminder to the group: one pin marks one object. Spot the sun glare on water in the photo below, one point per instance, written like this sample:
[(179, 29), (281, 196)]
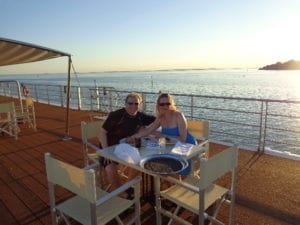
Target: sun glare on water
[(295, 81)]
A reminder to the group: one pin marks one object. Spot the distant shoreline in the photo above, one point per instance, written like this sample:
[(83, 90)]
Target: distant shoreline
[(289, 65)]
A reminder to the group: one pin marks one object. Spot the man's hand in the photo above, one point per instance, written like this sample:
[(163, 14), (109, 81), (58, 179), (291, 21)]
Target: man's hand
[(130, 140)]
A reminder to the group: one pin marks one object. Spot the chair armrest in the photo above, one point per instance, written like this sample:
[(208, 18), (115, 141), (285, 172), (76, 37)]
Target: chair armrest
[(96, 148), (91, 166), (118, 190), (181, 183), (203, 141), (205, 144)]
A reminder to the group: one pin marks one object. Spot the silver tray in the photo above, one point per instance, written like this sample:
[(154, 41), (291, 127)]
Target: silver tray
[(164, 163)]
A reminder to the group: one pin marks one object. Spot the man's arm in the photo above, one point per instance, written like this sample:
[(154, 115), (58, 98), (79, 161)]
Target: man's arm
[(103, 137), (147, 119), (149, 129)]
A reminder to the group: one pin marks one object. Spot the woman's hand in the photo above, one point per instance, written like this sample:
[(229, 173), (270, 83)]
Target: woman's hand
[(157, 134)]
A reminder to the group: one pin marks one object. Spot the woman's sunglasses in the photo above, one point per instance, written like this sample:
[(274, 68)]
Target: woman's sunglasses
[(164, 103), (132, 103)]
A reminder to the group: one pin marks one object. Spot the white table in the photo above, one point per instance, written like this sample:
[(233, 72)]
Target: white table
[(144, 151), (109, 154)]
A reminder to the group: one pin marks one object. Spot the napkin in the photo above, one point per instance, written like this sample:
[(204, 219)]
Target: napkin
[(127, 153), (182, 148)]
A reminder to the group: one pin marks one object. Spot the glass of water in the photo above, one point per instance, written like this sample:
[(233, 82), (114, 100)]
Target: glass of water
[(162, 144)]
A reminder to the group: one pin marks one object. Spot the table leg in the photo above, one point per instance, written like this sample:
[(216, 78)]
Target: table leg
[(148, 193), (157, 199)]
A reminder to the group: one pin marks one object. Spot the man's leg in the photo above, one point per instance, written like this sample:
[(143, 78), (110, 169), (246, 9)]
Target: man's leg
[(113, 176)]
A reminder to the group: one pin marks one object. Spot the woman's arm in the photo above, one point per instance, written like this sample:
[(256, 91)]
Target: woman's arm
[(182, 126), (152, 127)]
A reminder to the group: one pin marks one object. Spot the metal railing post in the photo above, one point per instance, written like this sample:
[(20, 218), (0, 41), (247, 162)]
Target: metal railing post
[(265, 126), (36, 93), (144, 102), (47, 94), (260, 126), (110, 101), (61, 96), (192, 107), (97, 98), (79, 98)]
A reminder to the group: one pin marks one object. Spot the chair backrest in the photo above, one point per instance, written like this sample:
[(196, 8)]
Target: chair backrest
[(90, 130), (8, 119), (79, 181), (7, 107), (216, 166), (29, 102), (198, 128)]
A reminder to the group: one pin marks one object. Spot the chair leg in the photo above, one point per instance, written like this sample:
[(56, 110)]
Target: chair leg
[(231, 211), (175, 213), (215, 212), (218, 206), (65, 218), (54, 217), (119, 220)]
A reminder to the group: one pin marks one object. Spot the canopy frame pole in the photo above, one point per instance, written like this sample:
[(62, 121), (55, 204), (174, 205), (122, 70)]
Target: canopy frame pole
[(67, 130)]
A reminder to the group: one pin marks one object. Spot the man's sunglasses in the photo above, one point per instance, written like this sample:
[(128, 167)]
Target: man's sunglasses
[(164, 103), (133, 103)]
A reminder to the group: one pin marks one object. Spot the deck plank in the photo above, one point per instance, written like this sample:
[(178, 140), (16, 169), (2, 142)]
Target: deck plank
[(6, 216), (16, 206)]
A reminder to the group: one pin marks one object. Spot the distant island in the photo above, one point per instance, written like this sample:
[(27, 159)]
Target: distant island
[(289, 65)]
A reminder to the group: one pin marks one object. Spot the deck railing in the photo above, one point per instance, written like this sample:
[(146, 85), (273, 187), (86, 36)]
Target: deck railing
[(254, 123)]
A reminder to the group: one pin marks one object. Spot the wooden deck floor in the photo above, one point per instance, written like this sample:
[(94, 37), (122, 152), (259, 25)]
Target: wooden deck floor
[(267, 188)]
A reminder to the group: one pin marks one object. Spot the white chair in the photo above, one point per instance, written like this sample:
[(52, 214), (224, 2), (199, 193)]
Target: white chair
[(27, 113), (197, 195), (200, 129), (90, 131), (8, 120), (90, 205)]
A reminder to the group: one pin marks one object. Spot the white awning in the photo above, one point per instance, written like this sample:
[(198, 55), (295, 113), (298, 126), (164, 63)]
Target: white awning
[(17, 52)]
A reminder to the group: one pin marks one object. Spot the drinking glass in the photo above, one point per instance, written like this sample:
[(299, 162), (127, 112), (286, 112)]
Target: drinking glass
[(162, 145)]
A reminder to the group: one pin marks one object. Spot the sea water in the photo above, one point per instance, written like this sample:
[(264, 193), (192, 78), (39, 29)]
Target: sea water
[(279, 85), (282, 85)]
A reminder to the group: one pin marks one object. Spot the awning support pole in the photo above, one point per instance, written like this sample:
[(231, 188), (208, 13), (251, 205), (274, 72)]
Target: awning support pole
[(67, 132)]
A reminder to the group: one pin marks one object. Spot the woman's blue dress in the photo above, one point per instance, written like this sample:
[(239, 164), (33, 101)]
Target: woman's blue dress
[(189, 139)]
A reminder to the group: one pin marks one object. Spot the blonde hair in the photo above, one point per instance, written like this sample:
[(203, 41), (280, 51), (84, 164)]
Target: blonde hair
[(133, 95), (171, 100)]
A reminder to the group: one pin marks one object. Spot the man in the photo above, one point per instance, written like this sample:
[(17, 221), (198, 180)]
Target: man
[(121, 124)]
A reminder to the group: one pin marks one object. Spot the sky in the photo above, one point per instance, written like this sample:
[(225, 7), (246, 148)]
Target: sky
[(122, 35)]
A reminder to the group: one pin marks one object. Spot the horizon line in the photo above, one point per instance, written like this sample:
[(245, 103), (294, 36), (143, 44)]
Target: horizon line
[(146, 70)]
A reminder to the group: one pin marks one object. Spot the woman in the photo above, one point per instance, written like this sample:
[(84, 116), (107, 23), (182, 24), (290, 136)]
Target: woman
[(25, 90), (171, 121)]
